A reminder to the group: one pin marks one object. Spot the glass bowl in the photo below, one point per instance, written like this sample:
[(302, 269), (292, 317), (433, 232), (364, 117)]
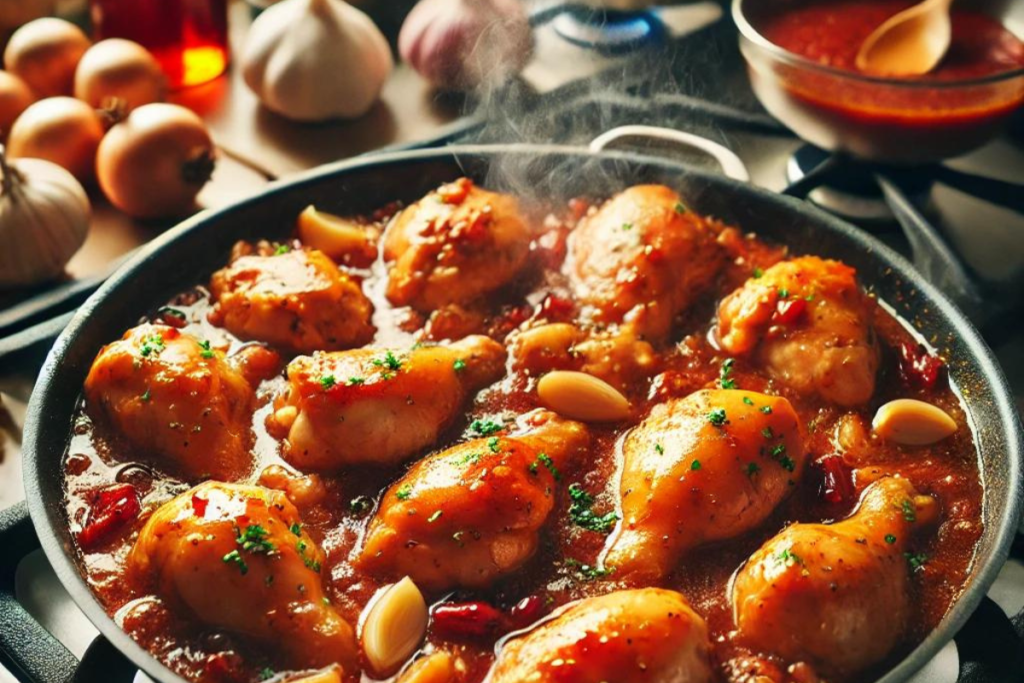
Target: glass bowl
[(874, 118)]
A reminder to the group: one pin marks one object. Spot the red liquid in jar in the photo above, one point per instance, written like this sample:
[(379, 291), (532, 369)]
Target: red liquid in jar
[(188, 37)]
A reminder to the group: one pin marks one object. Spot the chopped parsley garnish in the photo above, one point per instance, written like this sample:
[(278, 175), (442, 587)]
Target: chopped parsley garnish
[(680, 208), (545, 459), (473, 458), (206, 352), (485, 427), (779, 454), (355, 381), (783, 293), (588, 572), (459, 365), (767, 433), (758, 273), (327, 381), (434, 517), (282, 249), (809, 297), (296, 529), (152, 345), (627, 226), (146, 396), (254, 540), (890, 539), (788, 558), (360, 505), (695, 465), (582, 516), (494, 443), (717, 417), (235, 558), (659, 448), (767, 410), (726, 381), (752, 469), (909, 513), (748, 401), (404, 492), (390, 361), (266, 673), (916, 560)]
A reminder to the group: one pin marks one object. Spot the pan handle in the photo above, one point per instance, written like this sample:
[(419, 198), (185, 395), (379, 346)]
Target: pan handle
[(26, 648), (731, 164)]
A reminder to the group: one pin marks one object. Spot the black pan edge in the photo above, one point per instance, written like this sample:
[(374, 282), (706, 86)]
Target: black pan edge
[(979, 378)]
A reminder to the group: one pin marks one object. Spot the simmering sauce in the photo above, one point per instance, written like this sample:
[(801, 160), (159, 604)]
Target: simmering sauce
[(562, 569)]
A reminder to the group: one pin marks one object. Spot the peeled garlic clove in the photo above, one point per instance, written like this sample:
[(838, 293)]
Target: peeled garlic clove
[(394, 626), (332, 674), (340, 239), (434, 668), (580, 396), (910, 422)]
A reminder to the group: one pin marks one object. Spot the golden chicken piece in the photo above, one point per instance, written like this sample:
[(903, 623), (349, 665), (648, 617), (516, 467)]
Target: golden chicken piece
[(615, 356), (375, 405), (176, 397), (468, 515), (237, 558), (642, 259), (457, 244), (809, 323), (703, 468), (296, 300), (628, 636), (835, 595)]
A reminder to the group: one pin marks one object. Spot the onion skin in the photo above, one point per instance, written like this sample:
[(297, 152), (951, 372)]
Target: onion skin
[(121, 69), (155, 162), (44, 53), (465, 44), (62, 130), (15, 97)]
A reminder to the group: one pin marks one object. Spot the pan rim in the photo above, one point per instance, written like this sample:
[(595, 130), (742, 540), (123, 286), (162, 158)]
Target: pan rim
[(45, 518)]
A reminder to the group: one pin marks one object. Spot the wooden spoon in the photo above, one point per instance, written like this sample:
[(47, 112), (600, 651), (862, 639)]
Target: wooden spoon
[(910, 43)]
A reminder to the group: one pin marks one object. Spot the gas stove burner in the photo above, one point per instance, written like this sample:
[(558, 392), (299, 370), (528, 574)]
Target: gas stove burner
[(850, 190), (609, 31)]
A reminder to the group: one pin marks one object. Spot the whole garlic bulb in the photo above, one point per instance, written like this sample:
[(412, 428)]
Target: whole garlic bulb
[(459, 44), (44, 219), (313, 60)]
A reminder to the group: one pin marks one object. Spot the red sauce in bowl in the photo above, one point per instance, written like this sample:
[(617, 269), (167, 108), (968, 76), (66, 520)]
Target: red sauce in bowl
[(832, 33)]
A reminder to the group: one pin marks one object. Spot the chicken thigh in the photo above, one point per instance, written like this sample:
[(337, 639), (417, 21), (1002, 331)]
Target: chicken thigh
[(296, 300), (455, 245), (628, 636), (172, 395), (809, 323), (237, 558), (375, 405), (642, 258), (616, 356), (471, 514), (835, 595), (704, 468)]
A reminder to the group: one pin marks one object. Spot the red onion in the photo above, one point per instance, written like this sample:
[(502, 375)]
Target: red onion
[(463, 44)]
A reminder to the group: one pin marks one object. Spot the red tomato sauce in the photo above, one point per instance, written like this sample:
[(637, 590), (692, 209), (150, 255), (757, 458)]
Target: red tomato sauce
[(832, 33)]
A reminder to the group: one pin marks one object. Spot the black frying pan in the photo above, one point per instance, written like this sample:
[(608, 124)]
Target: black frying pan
[(189, 253)]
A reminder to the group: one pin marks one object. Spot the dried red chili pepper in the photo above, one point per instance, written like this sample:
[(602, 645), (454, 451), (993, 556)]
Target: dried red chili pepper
[(836, 483), (789, 311), (918, 368), (110, 509), (466, 620)]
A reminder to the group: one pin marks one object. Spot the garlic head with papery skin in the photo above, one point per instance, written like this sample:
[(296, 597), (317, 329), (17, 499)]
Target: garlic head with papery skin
[(314, 60), (463, 44), (44, 219)]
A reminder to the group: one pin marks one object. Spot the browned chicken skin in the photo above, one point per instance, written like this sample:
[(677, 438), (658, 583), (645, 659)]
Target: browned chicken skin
[(171, 394), (616, 356), (628, 636), (809, 323), (642, 258), (236, 557), (835, 595), (376, 405), (455, 245), (297, 300), (471, 514), (704, 468)]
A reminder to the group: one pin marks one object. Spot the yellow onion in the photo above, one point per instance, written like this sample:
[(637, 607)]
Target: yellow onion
[(119, 69), (15, 97), (63, 130), (44, 53)]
